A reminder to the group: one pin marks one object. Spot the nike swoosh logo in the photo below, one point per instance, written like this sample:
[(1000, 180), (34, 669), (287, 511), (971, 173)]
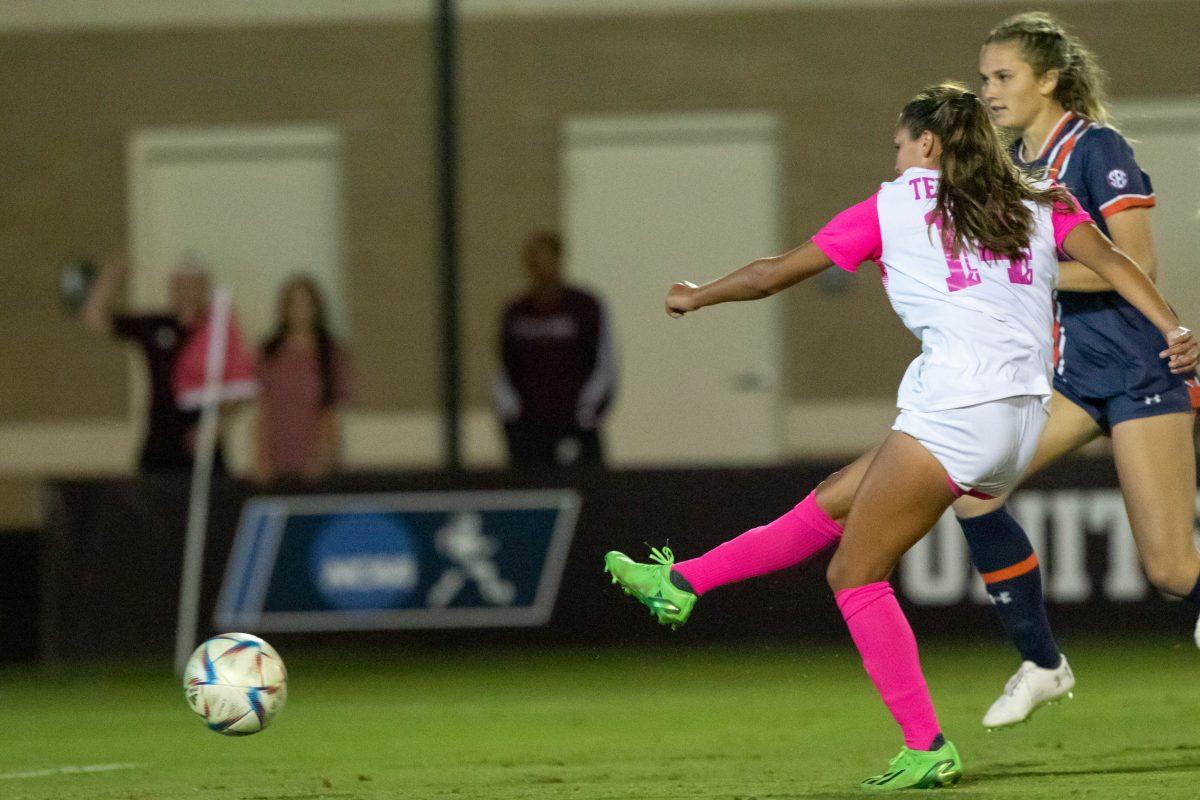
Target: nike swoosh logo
[(939, 773), (658, 601)]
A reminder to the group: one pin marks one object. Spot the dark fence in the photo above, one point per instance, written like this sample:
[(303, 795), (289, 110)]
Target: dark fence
[(111, 561)]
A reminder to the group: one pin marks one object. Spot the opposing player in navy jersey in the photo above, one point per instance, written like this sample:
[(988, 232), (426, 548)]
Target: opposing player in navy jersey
[(1042, 85)]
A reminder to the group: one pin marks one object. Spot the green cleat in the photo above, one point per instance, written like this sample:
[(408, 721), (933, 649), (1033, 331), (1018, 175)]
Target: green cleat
[(651, 585), (918, 769)]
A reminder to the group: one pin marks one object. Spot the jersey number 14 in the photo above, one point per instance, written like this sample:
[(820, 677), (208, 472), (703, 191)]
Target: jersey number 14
[(963, 273)]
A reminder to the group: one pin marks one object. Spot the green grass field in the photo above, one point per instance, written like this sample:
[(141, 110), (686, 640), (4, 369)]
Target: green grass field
[(586, 725)]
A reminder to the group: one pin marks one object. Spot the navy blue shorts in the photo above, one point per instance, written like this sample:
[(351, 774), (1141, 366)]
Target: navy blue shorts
[(1107, 361)]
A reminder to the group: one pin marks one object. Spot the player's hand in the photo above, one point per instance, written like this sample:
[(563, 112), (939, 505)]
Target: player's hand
[(1182, 352), (680, 299)]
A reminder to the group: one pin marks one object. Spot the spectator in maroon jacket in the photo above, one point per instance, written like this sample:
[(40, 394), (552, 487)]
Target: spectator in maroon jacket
[(557, 373)]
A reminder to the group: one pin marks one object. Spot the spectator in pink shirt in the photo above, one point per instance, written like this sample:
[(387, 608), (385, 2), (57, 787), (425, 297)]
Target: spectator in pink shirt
[(304, 378)]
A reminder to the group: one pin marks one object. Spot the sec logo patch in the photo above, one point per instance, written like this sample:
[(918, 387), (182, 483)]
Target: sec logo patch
[(1117, 179)]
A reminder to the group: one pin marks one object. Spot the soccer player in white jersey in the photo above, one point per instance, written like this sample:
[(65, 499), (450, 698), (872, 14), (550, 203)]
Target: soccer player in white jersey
[(967, 248)]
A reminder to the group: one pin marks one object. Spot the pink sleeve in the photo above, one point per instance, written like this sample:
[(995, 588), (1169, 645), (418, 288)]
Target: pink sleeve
[(1066, 218), (852, 237)]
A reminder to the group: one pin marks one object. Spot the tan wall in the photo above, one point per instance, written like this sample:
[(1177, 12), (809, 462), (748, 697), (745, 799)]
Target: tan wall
[(836, 77), (71, 100)]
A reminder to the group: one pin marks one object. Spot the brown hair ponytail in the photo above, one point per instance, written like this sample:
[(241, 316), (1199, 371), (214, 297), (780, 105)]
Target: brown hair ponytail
[(1046, 45), (981, 194)]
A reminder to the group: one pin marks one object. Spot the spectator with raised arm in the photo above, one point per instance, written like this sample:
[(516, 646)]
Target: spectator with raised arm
[(170, 431)]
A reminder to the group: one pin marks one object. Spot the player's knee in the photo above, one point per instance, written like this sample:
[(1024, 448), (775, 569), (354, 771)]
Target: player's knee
[(835, 575), (967, 507), (843, 573)]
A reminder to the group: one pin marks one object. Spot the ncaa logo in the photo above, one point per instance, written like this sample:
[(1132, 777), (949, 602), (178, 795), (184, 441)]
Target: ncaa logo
[(1117, 179), (364, 562)]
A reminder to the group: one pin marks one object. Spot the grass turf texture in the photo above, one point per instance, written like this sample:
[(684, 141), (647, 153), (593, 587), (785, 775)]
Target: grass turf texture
[(658, 723)]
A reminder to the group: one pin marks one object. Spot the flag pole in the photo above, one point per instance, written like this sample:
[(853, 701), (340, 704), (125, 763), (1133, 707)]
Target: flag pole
[(206, 445)]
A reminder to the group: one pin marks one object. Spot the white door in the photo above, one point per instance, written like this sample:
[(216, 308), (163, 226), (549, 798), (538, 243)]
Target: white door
[(1166, 141), (652, 200), (257, 203)]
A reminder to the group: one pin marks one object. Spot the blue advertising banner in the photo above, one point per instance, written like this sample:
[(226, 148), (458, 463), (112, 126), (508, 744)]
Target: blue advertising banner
[(434, 550), (405, 560)]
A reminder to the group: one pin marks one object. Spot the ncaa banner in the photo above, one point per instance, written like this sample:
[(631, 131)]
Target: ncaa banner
[(406, 560)]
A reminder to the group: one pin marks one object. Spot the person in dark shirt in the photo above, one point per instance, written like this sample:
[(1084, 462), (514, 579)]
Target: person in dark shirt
[(170, 431), (557, 373)]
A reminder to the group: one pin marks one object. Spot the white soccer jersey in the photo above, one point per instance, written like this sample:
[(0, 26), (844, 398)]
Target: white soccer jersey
[(984, 322)]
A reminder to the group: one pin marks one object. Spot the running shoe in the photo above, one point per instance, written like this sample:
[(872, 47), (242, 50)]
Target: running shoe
[(1028, 690)]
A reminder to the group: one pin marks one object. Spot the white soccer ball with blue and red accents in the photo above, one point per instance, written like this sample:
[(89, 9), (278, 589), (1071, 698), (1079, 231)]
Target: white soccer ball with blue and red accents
[(236, 682)]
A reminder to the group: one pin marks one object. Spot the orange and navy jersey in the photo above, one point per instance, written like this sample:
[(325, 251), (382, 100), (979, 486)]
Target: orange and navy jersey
[(1103, 347), (1096, 163), (1193, 387)]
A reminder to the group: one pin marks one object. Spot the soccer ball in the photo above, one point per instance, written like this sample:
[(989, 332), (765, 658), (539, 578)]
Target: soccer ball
[(236, 682)]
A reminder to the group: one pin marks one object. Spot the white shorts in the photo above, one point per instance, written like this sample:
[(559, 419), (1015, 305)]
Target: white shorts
[(984, 448)]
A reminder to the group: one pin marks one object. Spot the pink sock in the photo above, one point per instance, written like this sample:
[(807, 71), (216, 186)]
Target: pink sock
[(889, 653), (797, 535)]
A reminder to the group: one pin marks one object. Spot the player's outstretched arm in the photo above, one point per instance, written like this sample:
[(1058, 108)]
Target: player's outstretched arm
[(760, 278), (1091, 248)]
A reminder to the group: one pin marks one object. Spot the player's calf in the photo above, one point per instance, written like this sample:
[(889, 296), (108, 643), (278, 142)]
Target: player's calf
[(1176, 576)]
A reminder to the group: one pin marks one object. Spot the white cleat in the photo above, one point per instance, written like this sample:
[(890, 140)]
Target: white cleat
[(1028, 690), (1196, 633)]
